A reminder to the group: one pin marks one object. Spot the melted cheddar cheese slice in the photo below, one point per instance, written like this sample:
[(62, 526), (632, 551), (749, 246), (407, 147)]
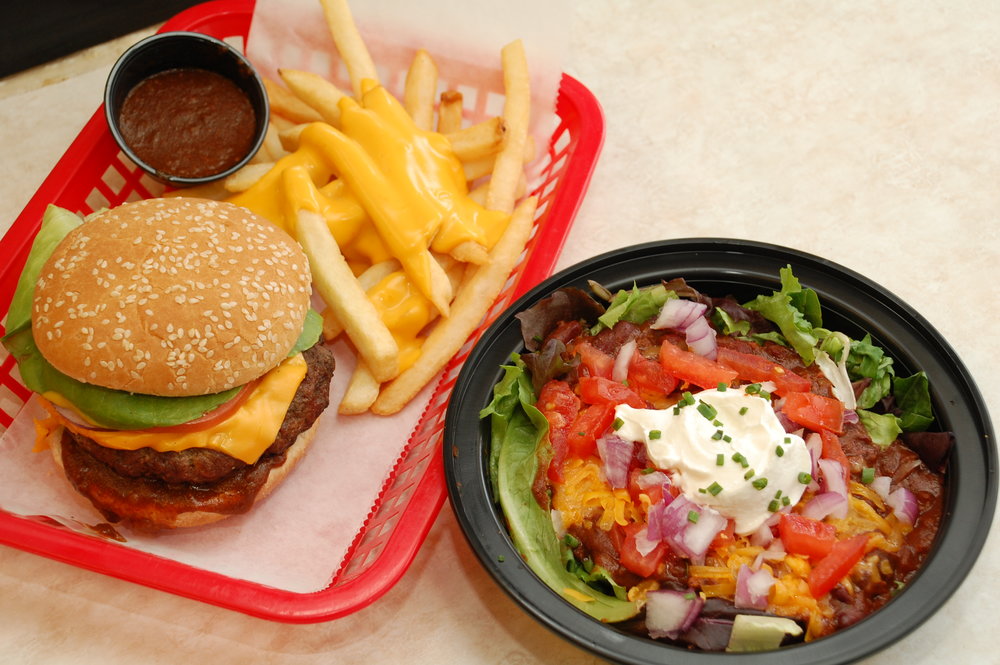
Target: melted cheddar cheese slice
[(244, 435)]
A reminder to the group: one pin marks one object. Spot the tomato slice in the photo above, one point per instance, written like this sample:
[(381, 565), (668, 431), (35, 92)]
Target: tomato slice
[(588, 426), (560, 406), (832, 450), (806, 536), (837, 564), (757, 369), (814, 412), (648, 376), (643, 565), (213, 417), (691, 367), (593, 361), (599, 390)]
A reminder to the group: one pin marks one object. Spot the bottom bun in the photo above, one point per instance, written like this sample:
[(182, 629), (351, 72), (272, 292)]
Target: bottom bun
[(149, 505)]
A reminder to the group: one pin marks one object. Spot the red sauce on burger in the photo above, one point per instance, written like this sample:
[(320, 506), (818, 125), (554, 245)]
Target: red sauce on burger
[(188, 122)]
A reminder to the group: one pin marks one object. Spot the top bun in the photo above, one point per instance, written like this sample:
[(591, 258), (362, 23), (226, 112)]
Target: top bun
[(171, 297)]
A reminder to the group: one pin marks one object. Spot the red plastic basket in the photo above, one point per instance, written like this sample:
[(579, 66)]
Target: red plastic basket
[(93, 174)]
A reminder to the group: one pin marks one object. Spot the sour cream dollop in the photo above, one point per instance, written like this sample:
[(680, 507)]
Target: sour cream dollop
[(725, 449)]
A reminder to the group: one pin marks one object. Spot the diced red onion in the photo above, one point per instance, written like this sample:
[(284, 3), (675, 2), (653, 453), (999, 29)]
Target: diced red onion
[(669, 613), (881, 486), (652, 479), (851, 416), (832, 472), (688, 317), (762, 537), (75, 418), (619, 372), (776, 552), (752, 588), (814, 443), (904, 504), (616, 453), (825, 504), (643, 544), (699, 535)]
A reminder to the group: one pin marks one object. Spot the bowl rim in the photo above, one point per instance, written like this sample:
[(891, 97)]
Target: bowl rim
[(261, 110), (842, 291)]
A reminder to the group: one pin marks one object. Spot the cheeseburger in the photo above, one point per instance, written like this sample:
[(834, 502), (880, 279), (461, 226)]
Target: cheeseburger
[(174, 349)]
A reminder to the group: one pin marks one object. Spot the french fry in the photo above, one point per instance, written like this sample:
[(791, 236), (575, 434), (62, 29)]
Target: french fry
[(289, 137), (332, 326), (281, 124), (337, 286), (478, 141), (516, 114), (286, 104), (419, 90), (450, 112), (361, 392), (471, 303), (270, 150), (470, 251), (321, 95), (349, 43), (246, 177)]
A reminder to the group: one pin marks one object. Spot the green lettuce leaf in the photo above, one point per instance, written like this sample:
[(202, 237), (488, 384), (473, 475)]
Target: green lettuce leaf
[(312, 328), (518, 430), (115, 409), (913, 399), (56, 223), (636, 306), (883, 428), (796, 312), (867, 361)]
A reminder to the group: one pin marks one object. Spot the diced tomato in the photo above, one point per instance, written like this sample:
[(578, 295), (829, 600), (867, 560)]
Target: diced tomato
[(648, 376), (724, 538), (560, 406), (593, 361), (837, 564), (757, 369), (806, 536), (691, 367), (565, 331), (654, 492), (588, 426), (599, 390), (643, 565), (833, 451), (814, 412)]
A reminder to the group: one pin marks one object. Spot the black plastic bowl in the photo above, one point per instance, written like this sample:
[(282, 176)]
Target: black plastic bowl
[(176, 50), (851, 303)]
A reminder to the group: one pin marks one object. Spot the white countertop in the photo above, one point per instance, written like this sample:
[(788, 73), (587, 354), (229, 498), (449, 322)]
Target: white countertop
[(862, 132)]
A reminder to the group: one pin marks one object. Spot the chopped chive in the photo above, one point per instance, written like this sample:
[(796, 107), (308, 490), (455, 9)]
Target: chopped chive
[(743, 410), (748, 475), (774, 506), (655, 434), (779, 451), (867, 475), (786, 500), (805, 478), (717, 423), (714, 489), (677, 410), (500, 559), (777, 495), (720, 459), (722, 386), (760, 483), (693, 516), (727, 438), (707, 410), (689, 595), (702, 490), (687, 398), (617, 425), (717, 436), (741, 460), (571, 541), (788, 439), (648, 470), (752, 389)]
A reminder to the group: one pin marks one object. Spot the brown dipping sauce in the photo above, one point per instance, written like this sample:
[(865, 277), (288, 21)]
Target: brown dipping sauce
[(189, 122)]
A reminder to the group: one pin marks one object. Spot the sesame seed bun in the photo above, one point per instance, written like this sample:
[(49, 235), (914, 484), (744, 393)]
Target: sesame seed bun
[(171, 297)]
